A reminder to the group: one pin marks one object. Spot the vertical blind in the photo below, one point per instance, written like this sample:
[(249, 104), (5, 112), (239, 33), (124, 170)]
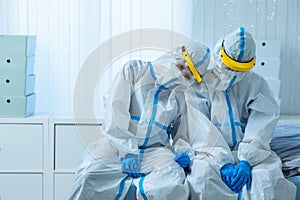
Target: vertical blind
[(69, 30)]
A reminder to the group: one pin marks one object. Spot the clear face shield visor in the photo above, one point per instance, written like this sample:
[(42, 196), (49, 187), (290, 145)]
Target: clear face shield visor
[(182, 72), (220, 76), (187, 68)]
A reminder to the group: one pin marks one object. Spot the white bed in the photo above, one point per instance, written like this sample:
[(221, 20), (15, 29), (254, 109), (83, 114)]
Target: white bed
[(286, 143)]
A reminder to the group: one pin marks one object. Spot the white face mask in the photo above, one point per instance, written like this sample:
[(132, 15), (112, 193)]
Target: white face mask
[(222, 78)]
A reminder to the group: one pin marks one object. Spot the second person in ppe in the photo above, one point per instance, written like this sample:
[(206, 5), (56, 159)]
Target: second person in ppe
[(233, 159)]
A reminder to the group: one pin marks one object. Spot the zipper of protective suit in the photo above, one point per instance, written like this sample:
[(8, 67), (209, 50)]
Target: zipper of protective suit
[(152, 121), (149, 129), (231, 118), (230, 112)]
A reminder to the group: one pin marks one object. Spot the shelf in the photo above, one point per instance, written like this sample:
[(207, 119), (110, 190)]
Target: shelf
[(289, 119)]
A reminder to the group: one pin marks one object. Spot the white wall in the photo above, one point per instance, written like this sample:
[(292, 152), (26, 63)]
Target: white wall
[(68, 30), (265, 19)]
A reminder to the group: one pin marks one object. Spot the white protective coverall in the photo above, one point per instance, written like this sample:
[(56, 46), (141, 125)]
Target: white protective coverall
[(245, 112), (143, 106)]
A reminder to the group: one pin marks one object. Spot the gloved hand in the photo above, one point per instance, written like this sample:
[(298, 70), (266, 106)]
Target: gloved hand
[(182, 159), (226, 174), (241, 176), (131, 165)]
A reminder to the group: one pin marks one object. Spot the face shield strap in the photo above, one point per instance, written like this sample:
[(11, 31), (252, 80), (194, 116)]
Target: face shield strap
[(191, 65), (235, 65)]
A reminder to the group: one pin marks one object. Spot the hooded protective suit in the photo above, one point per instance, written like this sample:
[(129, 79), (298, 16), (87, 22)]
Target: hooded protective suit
[(143, 109), (242, 108)]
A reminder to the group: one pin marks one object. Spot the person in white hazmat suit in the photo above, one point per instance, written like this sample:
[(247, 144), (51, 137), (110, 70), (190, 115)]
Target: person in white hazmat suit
[(142, 112), (237, 103)]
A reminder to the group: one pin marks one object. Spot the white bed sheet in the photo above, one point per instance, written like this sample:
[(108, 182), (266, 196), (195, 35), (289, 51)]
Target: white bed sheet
[(291, 125)]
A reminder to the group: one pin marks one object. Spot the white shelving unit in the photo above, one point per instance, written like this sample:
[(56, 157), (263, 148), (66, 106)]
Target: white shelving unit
[(268, 63), (39, 155), (68, 140), (24, 168)]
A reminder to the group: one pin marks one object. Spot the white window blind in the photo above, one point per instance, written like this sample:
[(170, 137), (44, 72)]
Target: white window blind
[(69, 30)]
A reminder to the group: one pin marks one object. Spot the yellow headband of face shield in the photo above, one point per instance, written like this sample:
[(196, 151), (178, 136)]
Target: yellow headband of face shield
[(191, 65), (235, 65)]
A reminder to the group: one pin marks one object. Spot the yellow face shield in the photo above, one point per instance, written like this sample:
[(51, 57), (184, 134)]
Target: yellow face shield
[(235, 65), (191, 65)]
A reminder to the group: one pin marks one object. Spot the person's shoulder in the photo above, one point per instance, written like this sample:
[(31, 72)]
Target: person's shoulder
[(131, 64), (134, 69), (252, 77), (253, 82)]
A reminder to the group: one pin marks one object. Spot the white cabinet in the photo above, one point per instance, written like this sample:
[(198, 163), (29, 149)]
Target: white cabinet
[(21, 147), (69, 142), (39, 155), (21, 186), (22, 158), (62, 186)]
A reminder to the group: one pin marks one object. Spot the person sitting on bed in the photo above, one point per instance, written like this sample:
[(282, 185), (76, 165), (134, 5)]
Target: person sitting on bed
[(142, 111), (239, 162)]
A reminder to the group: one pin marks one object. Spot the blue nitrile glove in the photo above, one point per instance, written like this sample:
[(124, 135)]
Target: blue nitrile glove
[(241, 176), (183, 159), (131, 165), (227, 173)]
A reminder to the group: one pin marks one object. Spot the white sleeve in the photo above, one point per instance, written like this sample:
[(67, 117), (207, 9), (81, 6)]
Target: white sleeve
[(117, 105), (263, 117)]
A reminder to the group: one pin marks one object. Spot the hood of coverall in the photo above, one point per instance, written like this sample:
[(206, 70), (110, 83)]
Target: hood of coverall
[(200, 56), (239, 45)]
